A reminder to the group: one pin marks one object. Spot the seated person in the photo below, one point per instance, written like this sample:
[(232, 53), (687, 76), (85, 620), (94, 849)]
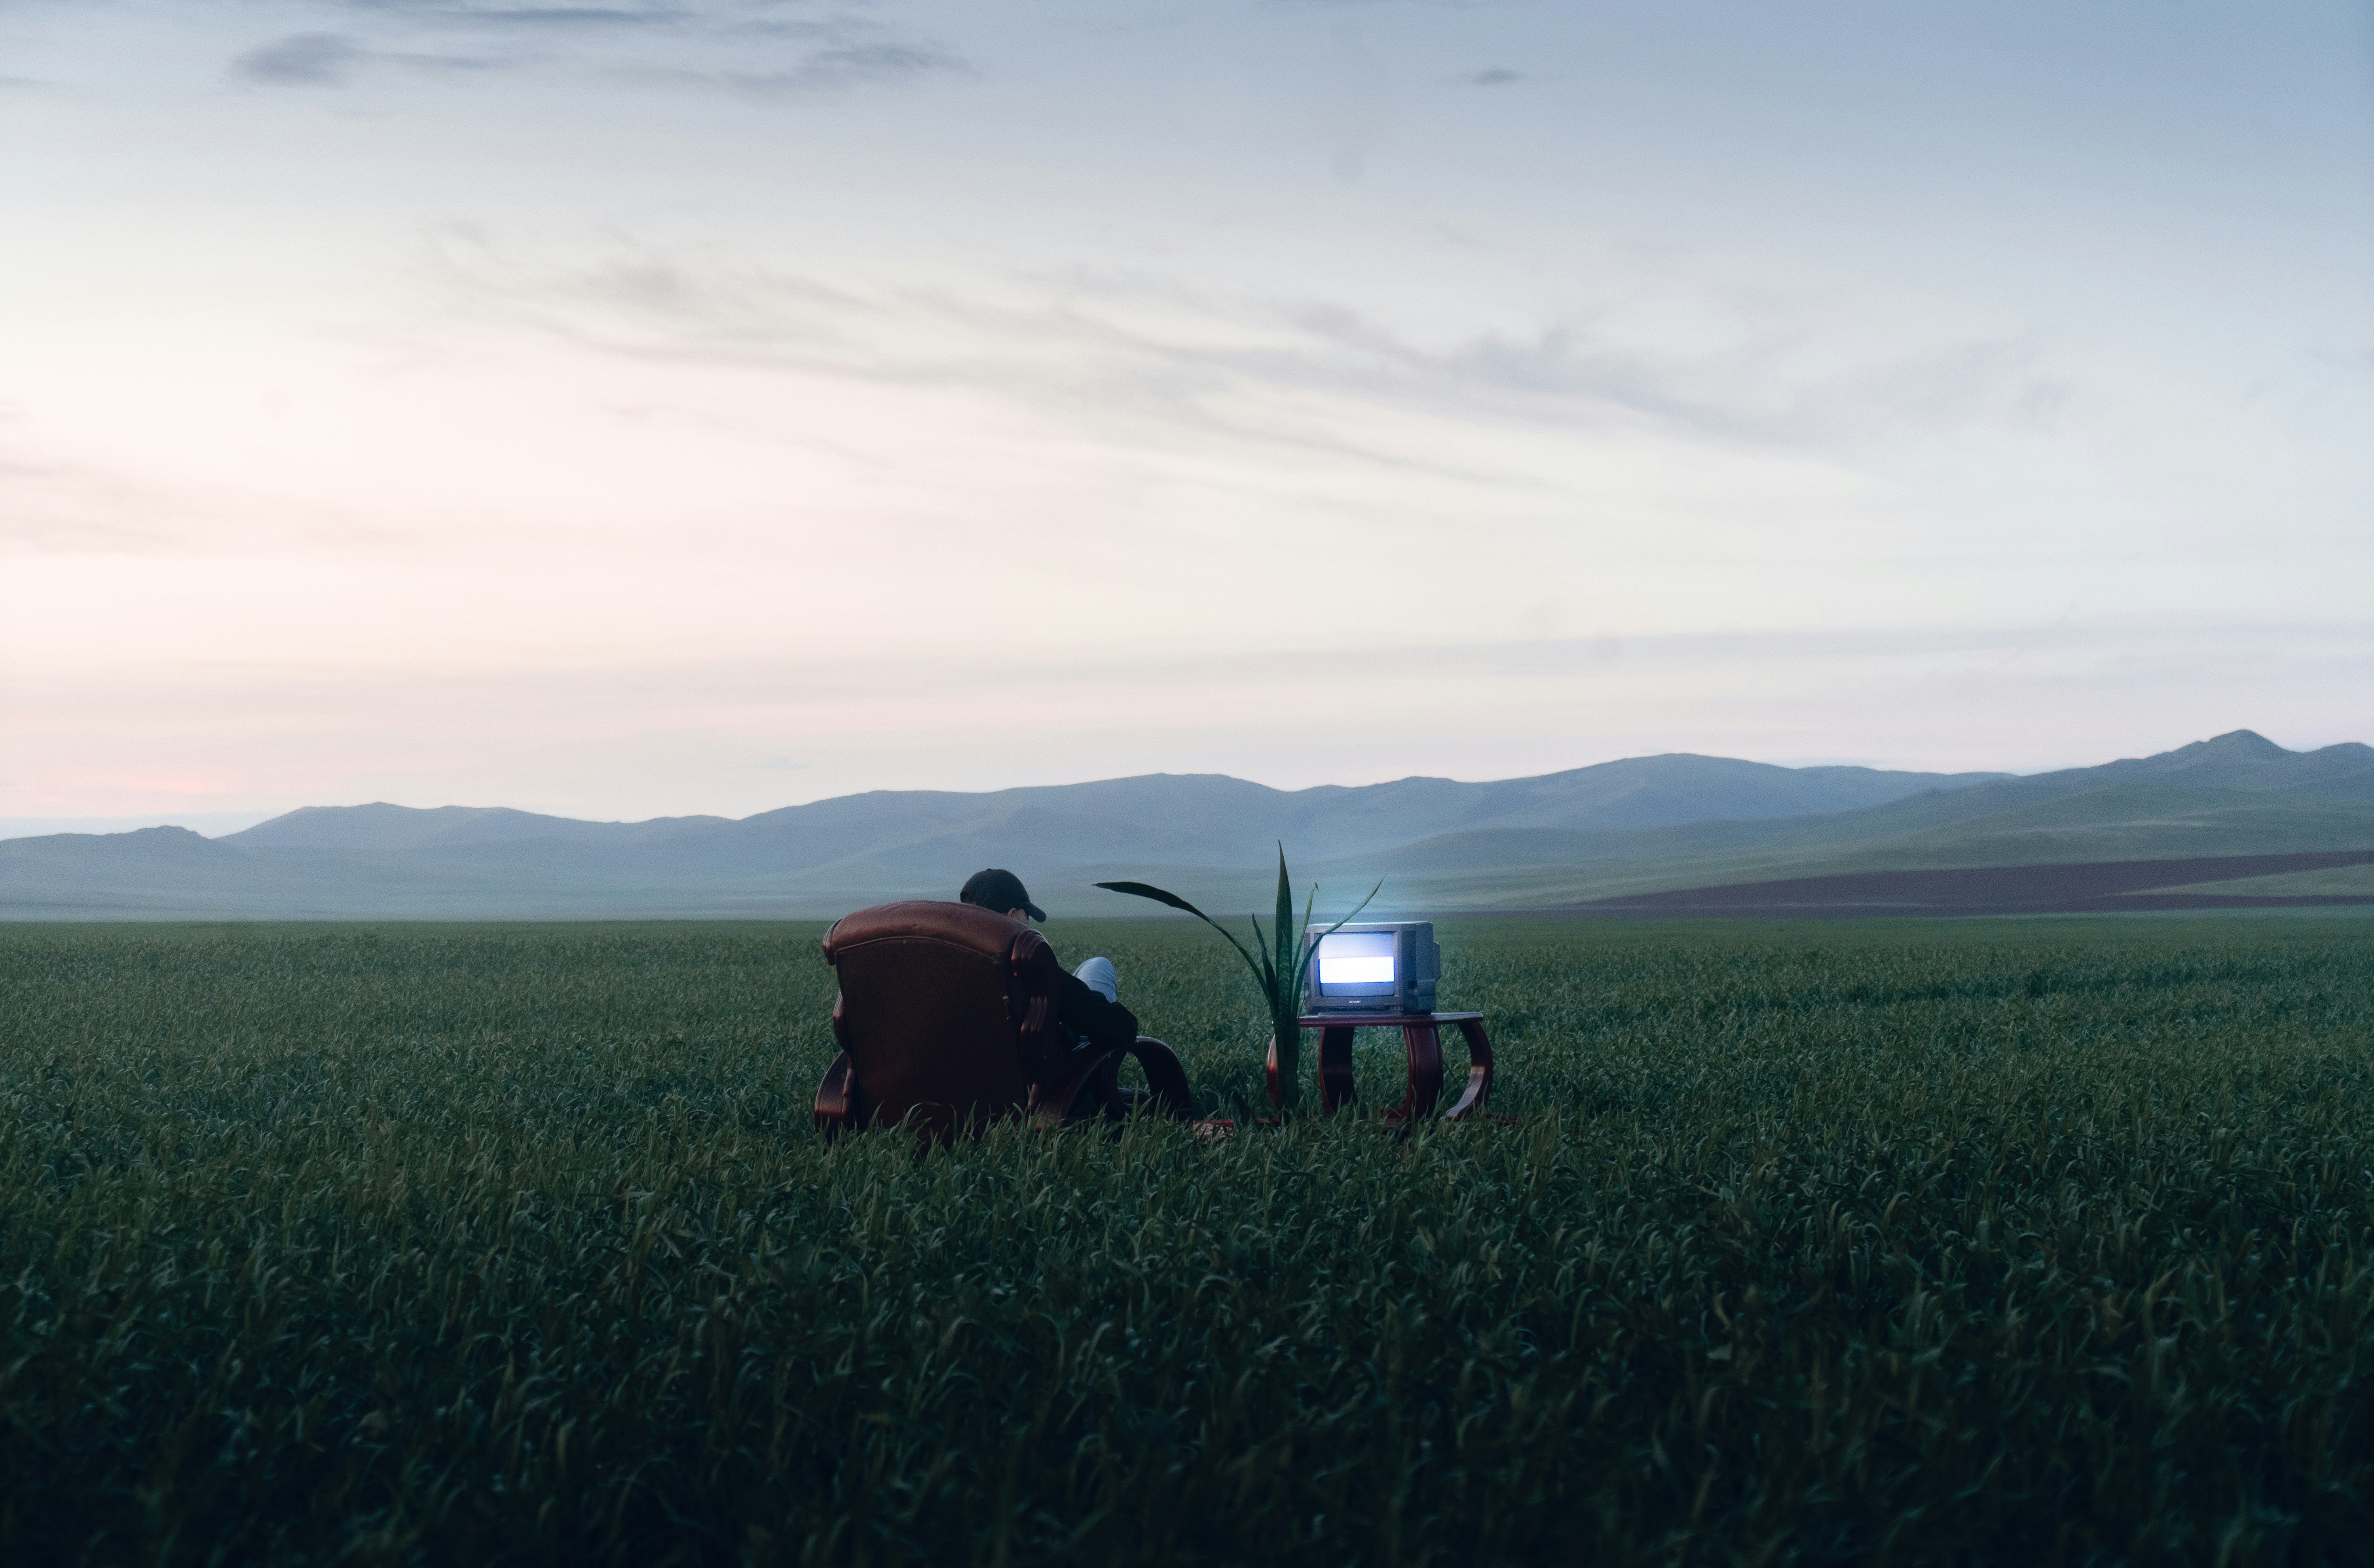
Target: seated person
[(1088, 1007)]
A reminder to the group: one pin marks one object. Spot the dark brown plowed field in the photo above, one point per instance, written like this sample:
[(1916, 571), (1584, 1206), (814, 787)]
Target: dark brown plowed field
[(2101, 886)]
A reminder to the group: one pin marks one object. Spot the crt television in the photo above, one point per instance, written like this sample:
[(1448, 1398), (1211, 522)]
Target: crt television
[(1381, 967)]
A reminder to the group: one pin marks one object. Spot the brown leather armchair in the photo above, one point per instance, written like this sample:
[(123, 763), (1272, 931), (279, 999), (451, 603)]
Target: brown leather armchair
[(947, 1015)]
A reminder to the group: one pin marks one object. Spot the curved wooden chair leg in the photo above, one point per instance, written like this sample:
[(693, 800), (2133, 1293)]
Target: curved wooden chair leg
[(838, 1107), (1479, 1069), (1425, 1043), (1166, 1090), (1097, 1074)]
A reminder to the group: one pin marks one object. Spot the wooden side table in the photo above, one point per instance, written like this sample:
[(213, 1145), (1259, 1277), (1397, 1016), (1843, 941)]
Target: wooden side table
[(1422, 1033)]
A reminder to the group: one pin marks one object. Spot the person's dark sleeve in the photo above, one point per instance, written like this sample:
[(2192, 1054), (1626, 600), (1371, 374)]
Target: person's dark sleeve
[(1090, 1017)]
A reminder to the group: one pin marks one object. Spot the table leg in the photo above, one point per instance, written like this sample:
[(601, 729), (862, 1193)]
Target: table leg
[(1334, 1070), (1425, 1044), (1335, 1090), (1479, 1069)]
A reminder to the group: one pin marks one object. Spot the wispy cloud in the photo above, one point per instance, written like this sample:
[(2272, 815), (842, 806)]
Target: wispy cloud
[(64, 507), (1163, 355), (333, 60), (307, 59), (742, 47), (1493, 76), (597, 18), (826, 70)]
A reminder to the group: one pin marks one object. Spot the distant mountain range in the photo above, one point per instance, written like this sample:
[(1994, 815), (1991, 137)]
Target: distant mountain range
[(1617, 831)]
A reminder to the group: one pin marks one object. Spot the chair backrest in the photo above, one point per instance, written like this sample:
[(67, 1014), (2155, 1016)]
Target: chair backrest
[(946, 1012)]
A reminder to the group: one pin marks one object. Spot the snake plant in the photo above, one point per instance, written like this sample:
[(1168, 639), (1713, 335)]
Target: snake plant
[(1277, 962)]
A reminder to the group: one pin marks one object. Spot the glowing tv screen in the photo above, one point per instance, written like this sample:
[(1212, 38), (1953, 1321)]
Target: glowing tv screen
[(1377, 967)]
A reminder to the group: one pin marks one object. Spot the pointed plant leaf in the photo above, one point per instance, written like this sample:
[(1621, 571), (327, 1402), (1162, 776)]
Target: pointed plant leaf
[(1284, 920), (1303, 962), (1304, 948), (1146, 891), (1143, 891), (1262, 967), (1356, 910)]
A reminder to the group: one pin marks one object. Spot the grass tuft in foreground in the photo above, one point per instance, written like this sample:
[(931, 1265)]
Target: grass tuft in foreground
[(1915, 1244)]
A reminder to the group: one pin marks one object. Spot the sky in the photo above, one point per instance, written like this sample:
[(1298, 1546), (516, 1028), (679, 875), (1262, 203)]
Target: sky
[(626, 409)]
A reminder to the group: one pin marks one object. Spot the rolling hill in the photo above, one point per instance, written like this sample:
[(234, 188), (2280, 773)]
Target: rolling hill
[(1641, 826)]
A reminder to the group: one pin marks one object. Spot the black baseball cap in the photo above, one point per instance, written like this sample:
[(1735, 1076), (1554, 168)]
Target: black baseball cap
[(1000, 891)]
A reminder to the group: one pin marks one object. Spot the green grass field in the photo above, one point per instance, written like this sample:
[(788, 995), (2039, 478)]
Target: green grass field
[(1911, 1243)]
